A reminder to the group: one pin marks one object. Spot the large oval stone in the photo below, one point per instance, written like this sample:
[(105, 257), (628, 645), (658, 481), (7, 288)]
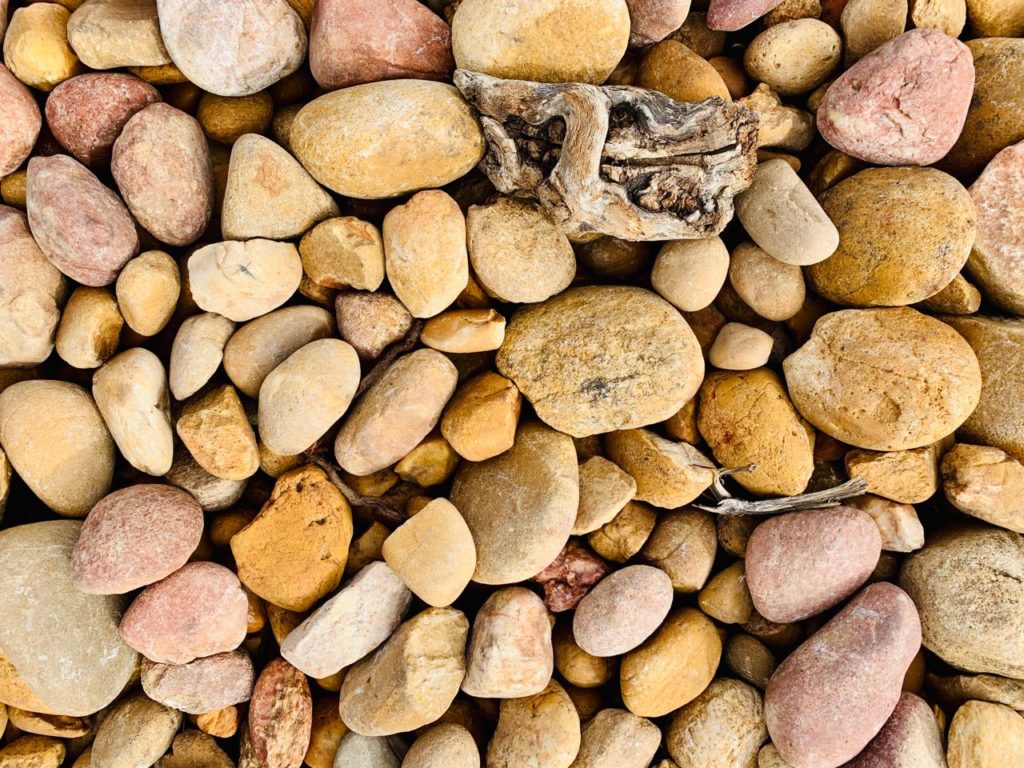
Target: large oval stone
[(203, 685), (63, 643), (602, 358), (20, 121), (834, 693), (910, 737)]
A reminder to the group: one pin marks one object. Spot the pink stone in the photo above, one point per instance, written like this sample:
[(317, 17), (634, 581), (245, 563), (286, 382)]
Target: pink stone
[(87, 112), (199, 610), (202, 685), (834, 693), (802, 563), (135, 537), (904, 103), (280, 716), (910, 737), (653, 20), (570, 576), (730, 15), (20, 121), (363, 41)]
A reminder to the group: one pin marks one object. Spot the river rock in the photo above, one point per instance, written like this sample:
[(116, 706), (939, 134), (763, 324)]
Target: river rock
[(117, 33), (203, 685), (721, 728), (986, 483), (730, 15), (148, 290), (134, 733), (909, 737), (243, 280), (615, 738), (197, 352), (280, 716), (985, 734), (448, 745), (215, 430), (20, 122), (668, 474), (544, 728), (623, 610)]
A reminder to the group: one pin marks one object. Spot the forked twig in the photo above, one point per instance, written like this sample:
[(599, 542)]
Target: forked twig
[(829, 497)]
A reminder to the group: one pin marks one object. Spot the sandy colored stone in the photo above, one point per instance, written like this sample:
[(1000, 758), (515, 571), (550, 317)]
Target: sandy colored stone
[(409, 681), (293, 553), (721, 728), (480, 420), (509, 653), (544, 728), (134, 733), (216, 432), (213, 493), (197, 352), (683, 544), (668, 474), (384, 139), (55, 438), (443, 746), (615, 738), (14, 691), (243, 280), (549, 41), (161, 163), (625, 534), (725, 597), (948, 16), (781, 215), (986, 483), (344, 252), (57, 726), (884, 379), (351, 624), (90, 328), (425, 252), (749, 659), (203, 685), (280, 716), (794, 57), (521, 528), (898, 524), (954, 690), (371, 322), (221, 723), (106, 34), (226, 119), (33, 752), (740, 347), (673, 667), (36, 46), (772, 288), (326, 733), (193, 749), (370, 751), (787, 128), (20, 119), (673, 69), (985, 735), (868, 24), (690, 273), (147, 292), (396, 413), (622, 611), (461, 331), (910, 476), (578, 667), (959, 297), (604, 490), (430, 463)]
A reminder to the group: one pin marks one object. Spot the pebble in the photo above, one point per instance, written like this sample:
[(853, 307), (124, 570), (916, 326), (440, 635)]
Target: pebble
[(63, 643), (344, 252), (909, 737), (726, 598), (226, 119), (584, 378), (463, 331), (361, 41), (544, 728), (884, 379), (781, 215), (615, 738), (409, 681), (518, 253), (55, 439), (898, 524), (433, 553), (855, 665), (147, 292), (740, 347), (868, 24), (604, 490), (509, 653), (305, 395), (674, 70), (721, 728), (750, 659), (773, 289), (731, 15), (801, 563), (668, 474), (947, 16), (954, 690), (293, 552), (569, 577), (36, 46), (233, 47), (134, 733), (197, 352), (199, 610), (350, 624), (967, 584), (194, 749), (480, 420), (985, 734), (90, 328), (683, 545), (259, 346), (203, 685), (369, 751), (794, 57), (161, 163), (135, 537), (31, 290), (986, 483), (20, 120), (443, 746), (690, 273), (653, 20), (747, 418), (371, 322), (243, 280), (577, 666), (905, 476), (383, 139), (212, 493), (622, 611), (269, 194), (107, 34), (280, 716), (215, 430), (425, 252), (673, 666), (80, 225), (520, 506), (550, 41), (33, 752), (59, 726)]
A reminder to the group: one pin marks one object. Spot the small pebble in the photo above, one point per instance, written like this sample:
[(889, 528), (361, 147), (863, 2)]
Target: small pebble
[(722, 727), (480, 420), (344, 252), (243, 280), (148, 289), (739, 347), (197, 352), (773, 289), (280, 715), (623, 610), (134, 733), (544, 728), (985, 734), (690, 273), (216, 431), (604, 490)]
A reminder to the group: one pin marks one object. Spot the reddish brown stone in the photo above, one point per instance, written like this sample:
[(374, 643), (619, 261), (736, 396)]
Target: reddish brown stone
[(570, 576), (203, 685), (730, 15), (20, 121), (280, 716), (87, 112), (910, 737)]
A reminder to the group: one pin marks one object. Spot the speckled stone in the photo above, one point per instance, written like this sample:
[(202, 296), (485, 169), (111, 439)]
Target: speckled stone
[(280, 716), (910, 737), (203, 685), (623, 610), (20, 121)]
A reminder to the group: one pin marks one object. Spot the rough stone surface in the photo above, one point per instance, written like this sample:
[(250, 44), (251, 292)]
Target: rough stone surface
[(135, 732), (683, 545), (480, 420), (203, 685), (604, 490), (909, 737), (448, 745), (280, 716), (721, 728), (213, 493), (668, 474), (344, 252), (985, 734), (569, 577), (653, 20), (371, 322), (623, 610), (985, 483), (730, 15), (243, 280), (106, 34), (215, 430), (906, 476), (20, 122), (898, 524), (195, 749), (544, 728)]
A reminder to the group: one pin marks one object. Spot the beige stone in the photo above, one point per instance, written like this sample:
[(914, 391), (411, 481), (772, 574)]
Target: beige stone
[(462, 331), (90, 328), (615, 738), (773, 289), (518, 253), (197, 352), (948, 16), (985, 735), (604, 490), (371, 322), (725, 597), (147, 292), (448, 745), (33, 752), (740, 347), (959, 297), (622, 537), (193, 749), (986, 483), (106, 34), (431, 462), (36, 46), (433, 553), (243, 280), (344, 252), (216, 432), (544, 728), (898, 524), (721, 728), (910, 476), (673, 69), (134, 733), (794, 57), (213, 493), (866, 24), (131, 394), (690, 273), (786, 128), (480, 420), (667, 474), (578, 667), (58, 726), (683, 544), (750, 659)]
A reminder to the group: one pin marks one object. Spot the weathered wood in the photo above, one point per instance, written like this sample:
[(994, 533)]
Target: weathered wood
[(618, 160)]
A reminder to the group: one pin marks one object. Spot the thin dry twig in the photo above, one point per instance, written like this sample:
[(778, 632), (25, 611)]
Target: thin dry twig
[(829, 497), (400, 347), (377, 508)]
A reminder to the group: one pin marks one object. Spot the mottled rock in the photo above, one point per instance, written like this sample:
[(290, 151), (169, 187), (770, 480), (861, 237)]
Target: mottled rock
[(370, 751), (615, 738), (909, 737), (623, 610), (36, 46), (216, 432), (280, 716), (985, 734), (195, 749), (544, 728), (33, 752), (907, 476), (569, 577), (954, 690), (20, 122), (243, 280), (730, 15), (202, 685), (371, 322), (683, 545), (344, 252), (721, 728), (90, 328), (654, 20), (117, 33), (134, 733), (449, 745), (985, 483), (213, 493), (898, 524)]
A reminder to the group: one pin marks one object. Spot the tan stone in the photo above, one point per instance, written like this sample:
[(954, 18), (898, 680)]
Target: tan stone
[(615, 738), (604, 490), (544, 728), (33, 752), (682, 425), (897, 523), (625, 535), (725, 597), (197, 352), (948, 16), (721, 728), (227, 119), (740, 347), (673, 69), (985, 735), (622, 610), (683, 545), (326, 733), (668, 474), (216, 431), (480, 420), (578, 667), (464, 331), (985, 483), (955, 690), (221, 723), (443, 746), (213, 493), (430, 463), (106, 34), (910, 476), (773, 289), (147, 292), (192, 749), (750, 659), (58, 726), (135, 732), (794, 57), (959, 297), (36, 46), (371, 322), (786, 128), (243, 280), (90, 328), (866, 24), (344, 252), (690, 273)]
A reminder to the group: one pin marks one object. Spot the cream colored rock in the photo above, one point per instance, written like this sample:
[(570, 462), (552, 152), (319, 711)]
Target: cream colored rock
[(106, 34), (480, 420), (57, 442), (131, 394), (519, 255), (411, 680), (794, 57), (384, 139), (667, 474), (898, 524), (197, 352), (550, 41), (90, 328), (216, 432), (134, 733), (461, 331), (269, 194), (948, 16), (147, 292), (213, 493), (985, 735), (986, 483), (306, 394), (781, 215), (866, 24), (448, 745), (615, 738), (433, 553), (625, 535), (769, 757), (543, 729), (739, 347), (884, 379), (604, 490), (773, 289), (690, 273), (243, 280), (721, 728), (780, 126), (959, 297), (425, 252), (520, 506), (909, 477), (396, 413), (344, 252), (36, 46)]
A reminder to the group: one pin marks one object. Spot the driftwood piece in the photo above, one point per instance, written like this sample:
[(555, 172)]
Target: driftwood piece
[(618, 160), (830, 497)]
